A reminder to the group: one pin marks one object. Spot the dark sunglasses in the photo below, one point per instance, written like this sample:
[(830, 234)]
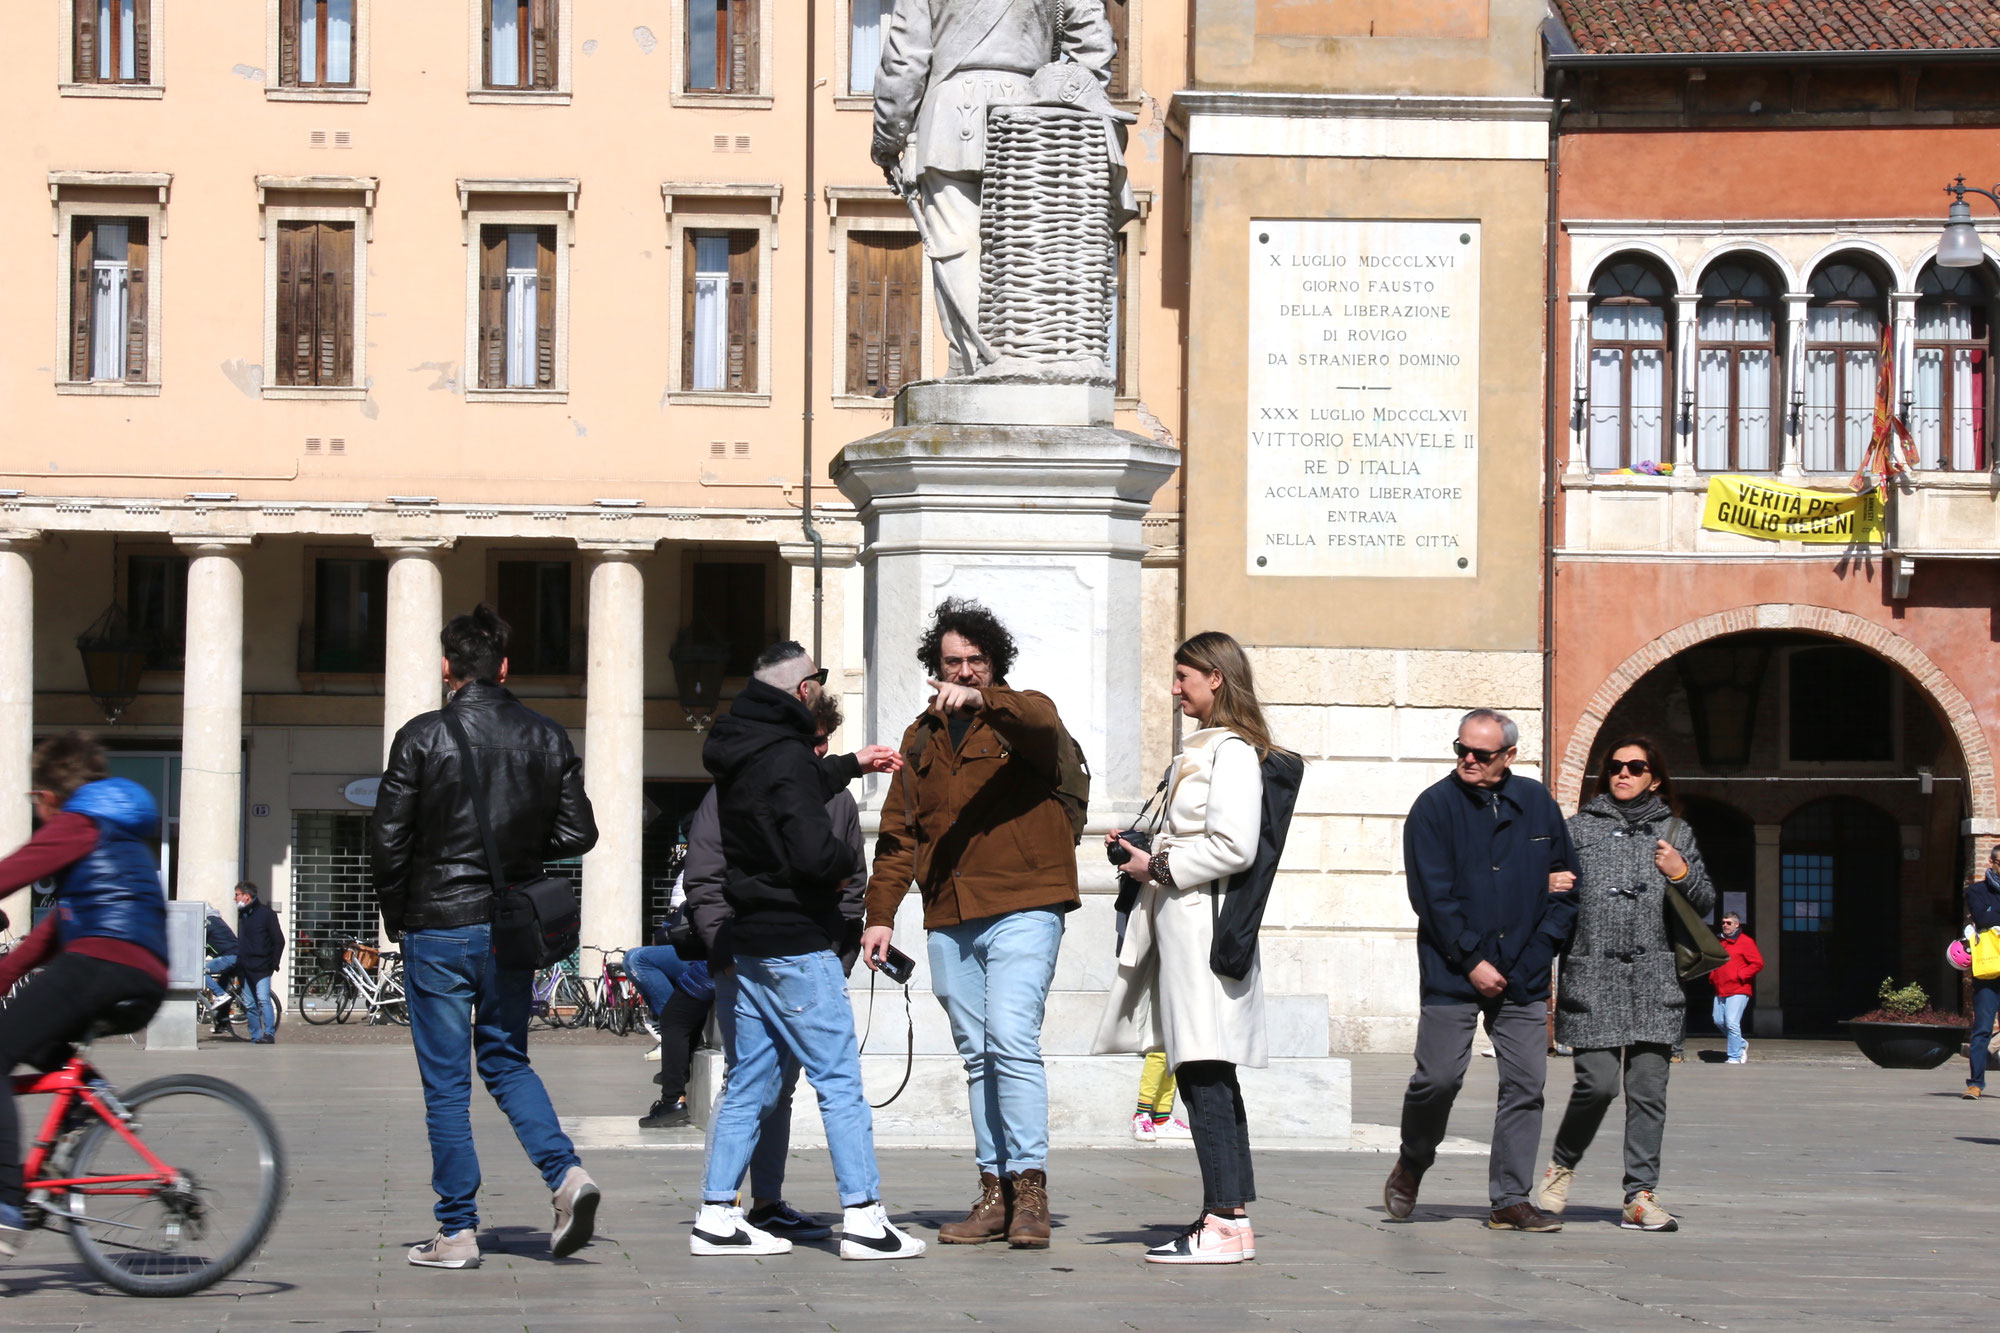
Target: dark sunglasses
[(1638, 768), (1461, 749), (819, 676)]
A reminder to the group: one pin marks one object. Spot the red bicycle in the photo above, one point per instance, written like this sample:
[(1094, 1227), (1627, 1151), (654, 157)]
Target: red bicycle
[(163, 1190)]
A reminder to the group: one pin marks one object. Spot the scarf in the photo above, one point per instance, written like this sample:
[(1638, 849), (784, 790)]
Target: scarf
[(1647, 808)]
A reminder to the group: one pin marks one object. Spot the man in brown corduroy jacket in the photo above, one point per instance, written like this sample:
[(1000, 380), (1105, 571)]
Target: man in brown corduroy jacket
[(974, 821)]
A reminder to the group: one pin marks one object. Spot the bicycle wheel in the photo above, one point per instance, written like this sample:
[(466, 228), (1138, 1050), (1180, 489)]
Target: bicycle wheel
[(229, 1167), (239, 1016), (343, 1003), (569, 1007), (319, 1002), (621, 1014)]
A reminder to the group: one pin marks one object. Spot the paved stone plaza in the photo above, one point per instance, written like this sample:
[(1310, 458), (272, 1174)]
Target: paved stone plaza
[(1815, 1189)]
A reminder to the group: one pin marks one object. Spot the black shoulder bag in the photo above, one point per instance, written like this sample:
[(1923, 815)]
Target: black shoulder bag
[(537, 922), (1237, 913), (1696, 950)]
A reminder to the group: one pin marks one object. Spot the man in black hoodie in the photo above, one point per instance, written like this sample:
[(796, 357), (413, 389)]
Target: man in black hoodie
[(785, 868)]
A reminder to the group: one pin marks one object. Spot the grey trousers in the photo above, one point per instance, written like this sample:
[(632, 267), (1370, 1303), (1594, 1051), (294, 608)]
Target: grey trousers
[(1520, 1035), (1644, 1066)]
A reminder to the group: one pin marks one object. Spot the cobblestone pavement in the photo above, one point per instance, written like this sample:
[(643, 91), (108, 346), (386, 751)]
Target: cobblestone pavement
[(1814, 1188)]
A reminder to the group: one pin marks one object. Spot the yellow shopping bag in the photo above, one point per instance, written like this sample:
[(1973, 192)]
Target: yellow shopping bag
[(1986, 955)]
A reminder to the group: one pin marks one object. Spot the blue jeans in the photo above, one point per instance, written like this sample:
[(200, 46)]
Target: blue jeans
[(774, 1133), (992, 977), (1985, 1007), (216, 968), (1729, 1017), (463, 1003), (262, 1018), (654, 969), (792, 1006)]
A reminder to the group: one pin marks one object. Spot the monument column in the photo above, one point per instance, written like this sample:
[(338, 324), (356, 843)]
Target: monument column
[(211, 840), (17, 701), (412, 677), (614, 743)]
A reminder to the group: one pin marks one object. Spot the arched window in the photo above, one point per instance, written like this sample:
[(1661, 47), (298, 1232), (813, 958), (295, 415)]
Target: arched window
[(1628, 367), (1953, 364), (1736, 371), (1843, 354)]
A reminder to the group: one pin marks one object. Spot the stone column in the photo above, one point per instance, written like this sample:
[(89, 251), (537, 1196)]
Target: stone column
[(614, 743), (1768, 1017), (1685, 411), (211, 834), (1794, 384), (412, 681), (17, 703)]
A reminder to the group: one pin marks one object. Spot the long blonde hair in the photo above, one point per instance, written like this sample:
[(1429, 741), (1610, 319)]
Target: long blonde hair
[(1236, 705)]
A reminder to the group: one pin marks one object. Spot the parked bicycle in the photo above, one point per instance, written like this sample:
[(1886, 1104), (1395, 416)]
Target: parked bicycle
[(229, 1010), (559, 999), (165, 1189), (615, 1000), (356, 975)]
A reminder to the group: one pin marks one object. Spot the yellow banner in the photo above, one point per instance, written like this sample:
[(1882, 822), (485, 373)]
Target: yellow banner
[(1774, 511)]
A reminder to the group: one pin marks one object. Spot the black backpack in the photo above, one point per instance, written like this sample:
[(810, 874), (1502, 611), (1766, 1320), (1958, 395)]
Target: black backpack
[(1238, 910)]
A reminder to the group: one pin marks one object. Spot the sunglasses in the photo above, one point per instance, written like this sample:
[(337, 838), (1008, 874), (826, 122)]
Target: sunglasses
[(1461, 749), (818, 677), (1638, 768)]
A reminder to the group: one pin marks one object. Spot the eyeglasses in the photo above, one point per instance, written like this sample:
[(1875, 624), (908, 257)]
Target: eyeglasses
[(1461, 749), (818, 677), (1638, 768), (977, 662)]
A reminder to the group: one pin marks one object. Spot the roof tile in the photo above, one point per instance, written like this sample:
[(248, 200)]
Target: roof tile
[(1624, 27)]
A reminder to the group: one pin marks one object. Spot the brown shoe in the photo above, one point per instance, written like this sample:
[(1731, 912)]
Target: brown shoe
[(1523, 1217), (1399, 1195), (1972, 1093), (1028, 1229), (988, 1219)]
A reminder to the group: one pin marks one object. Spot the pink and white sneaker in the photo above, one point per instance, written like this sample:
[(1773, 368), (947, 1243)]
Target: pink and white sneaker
[(1142, 1127), (1173, 1128), (1211, 1240)]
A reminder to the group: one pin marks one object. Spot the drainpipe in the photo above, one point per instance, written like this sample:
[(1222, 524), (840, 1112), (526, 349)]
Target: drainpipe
[(1549, 476), (806, 412)]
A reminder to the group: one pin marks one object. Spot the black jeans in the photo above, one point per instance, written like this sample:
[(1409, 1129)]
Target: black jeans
[(1214, 1105), (45, 1013), (682, 1021)]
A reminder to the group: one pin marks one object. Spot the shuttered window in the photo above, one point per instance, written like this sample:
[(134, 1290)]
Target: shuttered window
[(316, 43), (1119, 12), (112, 41), (107, 307), (885, 312), (719, 312), (722, 46), (315, 304), (517, 307), (520, 43)]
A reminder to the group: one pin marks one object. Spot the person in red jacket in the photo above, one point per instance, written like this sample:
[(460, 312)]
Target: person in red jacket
[(1732, 984)]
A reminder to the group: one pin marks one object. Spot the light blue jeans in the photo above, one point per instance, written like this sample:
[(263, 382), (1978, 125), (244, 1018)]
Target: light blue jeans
[(774, 1136), (263, 1019), (1729, 1017), (992, 976), (794, 1006)]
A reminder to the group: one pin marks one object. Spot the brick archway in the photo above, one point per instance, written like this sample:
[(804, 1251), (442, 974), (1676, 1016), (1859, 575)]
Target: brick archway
[(1958, 712)]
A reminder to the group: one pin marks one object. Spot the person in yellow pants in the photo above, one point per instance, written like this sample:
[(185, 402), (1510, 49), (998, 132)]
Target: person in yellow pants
[(1155, 1119)]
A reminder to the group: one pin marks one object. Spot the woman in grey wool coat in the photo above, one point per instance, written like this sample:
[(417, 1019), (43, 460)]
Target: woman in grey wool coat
[(1619, 1003)]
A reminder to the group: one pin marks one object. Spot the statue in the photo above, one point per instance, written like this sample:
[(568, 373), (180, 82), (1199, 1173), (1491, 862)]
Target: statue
[(992, 122)]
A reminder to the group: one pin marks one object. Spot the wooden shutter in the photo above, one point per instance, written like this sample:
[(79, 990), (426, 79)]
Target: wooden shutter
[(741, 373), (142, 41), (543, 50), (486, 44), (545, 307), (864, 333), (688, 252), (1119, 12), (83, 246), (297, 273), (335, 306), (742, 53), (288, 42), (135, 300), (903, 312), (1124, 327), (492, 307), (83, 41)]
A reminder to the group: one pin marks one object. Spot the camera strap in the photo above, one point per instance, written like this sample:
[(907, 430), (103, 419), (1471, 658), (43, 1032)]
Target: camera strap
[(910, 1054)]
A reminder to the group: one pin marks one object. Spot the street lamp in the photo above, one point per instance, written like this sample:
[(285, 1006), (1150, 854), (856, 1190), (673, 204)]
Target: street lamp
[(1960, 247), (114, 655), (700, 657)]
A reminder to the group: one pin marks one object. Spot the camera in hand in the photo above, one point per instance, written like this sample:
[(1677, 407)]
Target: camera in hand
[(1138, 837)]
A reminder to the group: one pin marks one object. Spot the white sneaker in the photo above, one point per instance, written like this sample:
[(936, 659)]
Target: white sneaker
[(1174, 1129), (1736, 1060), (653, 1054), (1142, 1127), (459, 1249), (867, 1233), (719, 1229), (1211, 1240)]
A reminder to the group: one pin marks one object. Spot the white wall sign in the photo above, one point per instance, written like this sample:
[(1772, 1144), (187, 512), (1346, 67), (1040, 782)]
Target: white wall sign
[(1364, 399), (362, 791)]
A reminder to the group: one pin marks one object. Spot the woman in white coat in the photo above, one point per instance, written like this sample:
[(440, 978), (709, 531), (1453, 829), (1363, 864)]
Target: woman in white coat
[(1165, 997)]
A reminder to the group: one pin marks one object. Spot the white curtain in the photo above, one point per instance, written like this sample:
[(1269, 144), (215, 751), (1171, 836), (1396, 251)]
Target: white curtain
[(1953, 442), (522, 294), (1733, 324), (711, 312), (1606, 381), (1627, 323), (870, 20), (340, 41), (119, 13), (109, 294), (1834, 440), (1649, 401), (1711, 406), (1753, 412), (506, 71)]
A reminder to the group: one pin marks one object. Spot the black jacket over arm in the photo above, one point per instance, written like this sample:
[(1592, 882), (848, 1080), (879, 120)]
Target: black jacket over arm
[(1982, 903), (430, 865)]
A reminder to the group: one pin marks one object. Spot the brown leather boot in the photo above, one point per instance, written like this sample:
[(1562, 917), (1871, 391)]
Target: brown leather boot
[(991, 1212), (1029, 1229)]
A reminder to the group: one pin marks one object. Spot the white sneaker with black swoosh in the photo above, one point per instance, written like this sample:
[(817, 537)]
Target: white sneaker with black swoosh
[(720, 1229), (867, 1233)]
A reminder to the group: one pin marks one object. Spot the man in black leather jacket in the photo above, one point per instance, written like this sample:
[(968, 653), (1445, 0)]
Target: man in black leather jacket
[(437, 896)]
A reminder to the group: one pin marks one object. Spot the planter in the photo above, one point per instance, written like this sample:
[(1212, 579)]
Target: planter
[(1907, 1045)]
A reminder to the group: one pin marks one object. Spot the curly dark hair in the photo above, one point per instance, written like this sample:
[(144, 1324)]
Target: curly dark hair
[(972, 621)]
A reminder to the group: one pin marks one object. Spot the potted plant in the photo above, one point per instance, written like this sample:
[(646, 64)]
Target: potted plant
[(1906, 1033)]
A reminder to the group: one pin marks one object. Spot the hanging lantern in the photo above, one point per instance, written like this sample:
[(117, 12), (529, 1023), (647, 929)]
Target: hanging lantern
[(114, 656), (700, 657)]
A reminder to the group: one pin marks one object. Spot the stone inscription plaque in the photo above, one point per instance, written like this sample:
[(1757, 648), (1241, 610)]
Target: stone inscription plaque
[(1363, 456)]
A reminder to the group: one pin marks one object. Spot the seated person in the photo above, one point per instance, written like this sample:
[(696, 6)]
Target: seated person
[(222, 945), (683, 1020), (105, 943)]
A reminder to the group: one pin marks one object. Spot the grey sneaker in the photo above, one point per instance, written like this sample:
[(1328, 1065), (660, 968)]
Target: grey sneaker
[(1555, 1189), (458, 1249), (576, 1213)]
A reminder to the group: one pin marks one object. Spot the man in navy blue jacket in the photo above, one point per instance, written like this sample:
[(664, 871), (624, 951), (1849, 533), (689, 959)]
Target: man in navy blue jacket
[(1490, 868)]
